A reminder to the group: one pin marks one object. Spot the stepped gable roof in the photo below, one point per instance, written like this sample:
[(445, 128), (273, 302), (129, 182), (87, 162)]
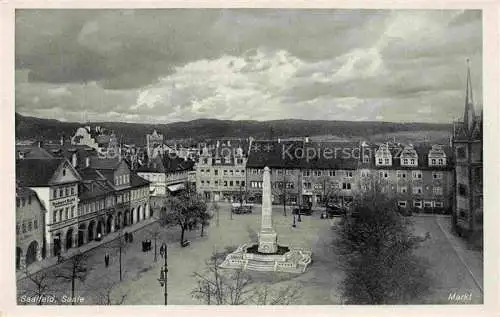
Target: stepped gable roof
[(36, 172)]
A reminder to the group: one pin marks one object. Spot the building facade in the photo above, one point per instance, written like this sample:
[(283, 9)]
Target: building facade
[(30, 224), (468, 152), (220, 173), (56, 183)]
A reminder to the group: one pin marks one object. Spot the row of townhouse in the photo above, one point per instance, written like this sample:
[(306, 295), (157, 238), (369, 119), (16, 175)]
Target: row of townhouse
[(310, 172), (75, 198)]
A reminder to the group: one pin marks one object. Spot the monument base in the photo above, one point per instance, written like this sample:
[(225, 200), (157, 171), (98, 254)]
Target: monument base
[(268, 242), (292, 261)]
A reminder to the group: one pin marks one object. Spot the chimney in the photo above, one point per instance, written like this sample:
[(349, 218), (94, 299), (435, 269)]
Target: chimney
[(74, 160), (279, 140), (62, 139), (306, 139), (87, 161)]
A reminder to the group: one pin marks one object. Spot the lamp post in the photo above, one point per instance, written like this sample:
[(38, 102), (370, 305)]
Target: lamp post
[(164, 271)]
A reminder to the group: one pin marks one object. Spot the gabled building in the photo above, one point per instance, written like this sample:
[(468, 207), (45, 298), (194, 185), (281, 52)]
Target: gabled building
[(55, 182), (30, 225), (468, 154), (131, 191)]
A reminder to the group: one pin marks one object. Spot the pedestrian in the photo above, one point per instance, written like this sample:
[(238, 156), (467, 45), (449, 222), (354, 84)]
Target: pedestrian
[(106, 259), (162, 250)]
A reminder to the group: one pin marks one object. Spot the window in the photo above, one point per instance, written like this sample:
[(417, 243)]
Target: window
[(54, 217), (438, 204), (380, 161), (318, 186), (205, 161), (441, 161), (202, 182), (216, 172), (416, 175), (402, 203), (307, 185), (18, 202), (225, 183), (403, 189), (387, 161), (461, 153), (462, 213), (437, 190), (35, 224), (401, 174), (54, 193), (405, 161), (18, 229), (348, 174), (437, 175), (242, 183), (30, 226), (24, 228), (66, 211), (306, 173), (72, 211), (60, 192), (346, 186), (237, 183), (417, 189), (433, 161), (386, 175), (462, 190), (242, 172), (428, 204), (231, 172), (72, 190), (332, 173), (417, 203), (239, 161), (66, 191), (216, 183), (225, 172), (64, 172), (230, 183)]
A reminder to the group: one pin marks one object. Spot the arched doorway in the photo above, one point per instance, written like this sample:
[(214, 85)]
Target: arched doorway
[(148, 208), (31, 253), (69, 238), (133, 216), (19, 254), (140, 213), (100, 227), (81, 234), (90, 231), (57, 244), (109, 223), (126, 218), (118, 223)]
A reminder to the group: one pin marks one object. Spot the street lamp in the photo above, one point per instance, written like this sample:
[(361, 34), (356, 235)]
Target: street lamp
[(164, 271)]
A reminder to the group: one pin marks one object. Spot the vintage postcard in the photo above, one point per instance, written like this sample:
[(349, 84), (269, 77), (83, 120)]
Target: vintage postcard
[(251, 156)]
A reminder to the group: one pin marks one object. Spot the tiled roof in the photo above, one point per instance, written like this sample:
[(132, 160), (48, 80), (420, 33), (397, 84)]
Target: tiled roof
[(36, 172), (137, 181), (305, 155), (33, 152), (104, 164), (90, 189)]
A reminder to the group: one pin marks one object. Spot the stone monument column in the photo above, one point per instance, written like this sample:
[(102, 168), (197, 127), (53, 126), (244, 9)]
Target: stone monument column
[(268, 239)]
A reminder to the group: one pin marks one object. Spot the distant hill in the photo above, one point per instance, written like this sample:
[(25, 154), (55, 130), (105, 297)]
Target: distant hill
[(49, 129)]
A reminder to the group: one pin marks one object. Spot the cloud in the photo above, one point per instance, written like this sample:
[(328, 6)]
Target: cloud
[(177, 65)]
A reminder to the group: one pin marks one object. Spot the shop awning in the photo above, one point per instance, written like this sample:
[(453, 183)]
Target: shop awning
[(176, 187)]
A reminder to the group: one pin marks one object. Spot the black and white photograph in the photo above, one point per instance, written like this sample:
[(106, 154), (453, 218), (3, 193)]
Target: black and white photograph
[(249, 156)]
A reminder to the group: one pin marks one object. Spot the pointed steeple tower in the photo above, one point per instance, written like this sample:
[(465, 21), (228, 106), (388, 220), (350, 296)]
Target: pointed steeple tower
[(469, 114)]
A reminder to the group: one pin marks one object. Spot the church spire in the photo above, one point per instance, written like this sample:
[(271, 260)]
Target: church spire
[(469, 115)]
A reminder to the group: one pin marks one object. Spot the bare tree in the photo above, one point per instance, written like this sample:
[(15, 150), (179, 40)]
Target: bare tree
[(284, 189), (287, 295), (105, 298), (222, 287), (155, 234), (42, 282), (77, 270)]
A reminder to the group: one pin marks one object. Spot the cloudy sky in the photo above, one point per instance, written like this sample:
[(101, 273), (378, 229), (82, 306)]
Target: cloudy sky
[(178, 65)]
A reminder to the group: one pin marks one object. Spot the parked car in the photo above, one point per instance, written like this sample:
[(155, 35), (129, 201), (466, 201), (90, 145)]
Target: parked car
[(303, 209), (242, 208)]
